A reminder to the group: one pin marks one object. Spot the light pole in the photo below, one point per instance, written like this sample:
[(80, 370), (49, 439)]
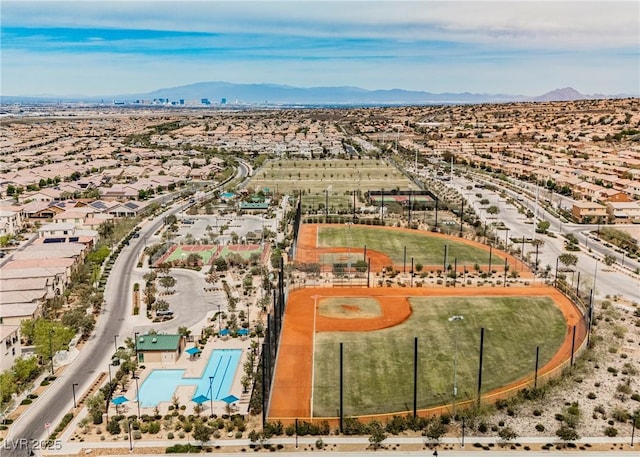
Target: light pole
[(506, 241), (211, 394), (137, 394), (73, 390), (315, 314), (348, 224), (219, 321), (130, 441), (455, 361), (135, 336)]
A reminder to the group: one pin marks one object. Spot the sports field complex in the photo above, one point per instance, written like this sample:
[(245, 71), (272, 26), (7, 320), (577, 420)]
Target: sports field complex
[(373, 352)]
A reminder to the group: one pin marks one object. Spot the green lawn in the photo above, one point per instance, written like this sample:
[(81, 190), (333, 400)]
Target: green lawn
[(425, 249), (341, 177), (379, 364)]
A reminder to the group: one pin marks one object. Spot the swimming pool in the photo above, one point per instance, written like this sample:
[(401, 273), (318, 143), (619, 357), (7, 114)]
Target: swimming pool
[(161, 384)]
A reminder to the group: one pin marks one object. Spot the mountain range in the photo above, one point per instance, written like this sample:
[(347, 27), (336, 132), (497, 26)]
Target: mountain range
[(274, 95), (271, 94)]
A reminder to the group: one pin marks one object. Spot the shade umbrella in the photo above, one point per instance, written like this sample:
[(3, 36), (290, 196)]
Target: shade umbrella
[(243, 332), (193, 351), (224, 332), (200, 399), (230, 399), (118, 401)]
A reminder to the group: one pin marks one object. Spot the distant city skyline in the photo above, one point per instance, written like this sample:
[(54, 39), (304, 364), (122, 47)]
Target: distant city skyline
[(96, 48)]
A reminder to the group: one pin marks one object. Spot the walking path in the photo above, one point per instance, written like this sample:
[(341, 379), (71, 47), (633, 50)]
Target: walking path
[(69, 448)]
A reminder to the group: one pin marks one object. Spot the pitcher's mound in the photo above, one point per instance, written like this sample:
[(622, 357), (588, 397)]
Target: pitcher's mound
[(349, 308)]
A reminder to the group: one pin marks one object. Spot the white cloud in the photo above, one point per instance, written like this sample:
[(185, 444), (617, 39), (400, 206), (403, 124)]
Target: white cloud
[(508, 23)]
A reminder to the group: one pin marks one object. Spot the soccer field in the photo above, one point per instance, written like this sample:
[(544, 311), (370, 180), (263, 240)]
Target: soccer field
[(339, 175), (378, 365)]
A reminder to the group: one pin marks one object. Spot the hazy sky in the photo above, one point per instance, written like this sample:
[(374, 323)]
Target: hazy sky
[(117, 47)]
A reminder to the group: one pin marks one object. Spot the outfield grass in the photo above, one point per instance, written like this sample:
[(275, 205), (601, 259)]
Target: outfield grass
[(378, 365), (425, 249)]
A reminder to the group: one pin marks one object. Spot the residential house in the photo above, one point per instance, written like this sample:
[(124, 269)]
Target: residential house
[(129, 209), (10, 222), (43, 195), (588, 212), (10, 347), (624, 212), (38, 211), (119, 192)]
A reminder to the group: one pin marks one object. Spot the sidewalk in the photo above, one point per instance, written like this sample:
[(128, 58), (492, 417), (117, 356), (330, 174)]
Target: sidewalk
[(74, 448)]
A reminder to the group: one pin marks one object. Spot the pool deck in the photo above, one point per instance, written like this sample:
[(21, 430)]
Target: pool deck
[(194, 368)]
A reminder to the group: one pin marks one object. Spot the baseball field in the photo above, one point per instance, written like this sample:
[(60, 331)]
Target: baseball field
[(378, 327), (381, 327), (386, 246)]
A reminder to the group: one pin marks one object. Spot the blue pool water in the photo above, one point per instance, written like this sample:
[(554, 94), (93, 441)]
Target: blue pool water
[(160, 385)]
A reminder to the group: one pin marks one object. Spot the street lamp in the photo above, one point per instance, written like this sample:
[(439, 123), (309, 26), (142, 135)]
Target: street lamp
[(137, 393), (348, 224), (506, 241), (129, 428), (73, 390), (219, 320), (455, 361), (135, 336), (211, 394)]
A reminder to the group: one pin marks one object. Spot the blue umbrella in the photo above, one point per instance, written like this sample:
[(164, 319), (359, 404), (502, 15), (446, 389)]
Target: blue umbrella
[(243, 332), (224, 332), (200, 399), (193, 351), (119, 400), (230, 399)]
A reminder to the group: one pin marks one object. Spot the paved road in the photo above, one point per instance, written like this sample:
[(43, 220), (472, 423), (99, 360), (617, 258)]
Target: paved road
[(94, 357), (609, 280)]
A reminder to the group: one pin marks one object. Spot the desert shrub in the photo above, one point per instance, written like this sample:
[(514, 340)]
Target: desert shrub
[(113, 427), (183, 449), (154, 427)]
